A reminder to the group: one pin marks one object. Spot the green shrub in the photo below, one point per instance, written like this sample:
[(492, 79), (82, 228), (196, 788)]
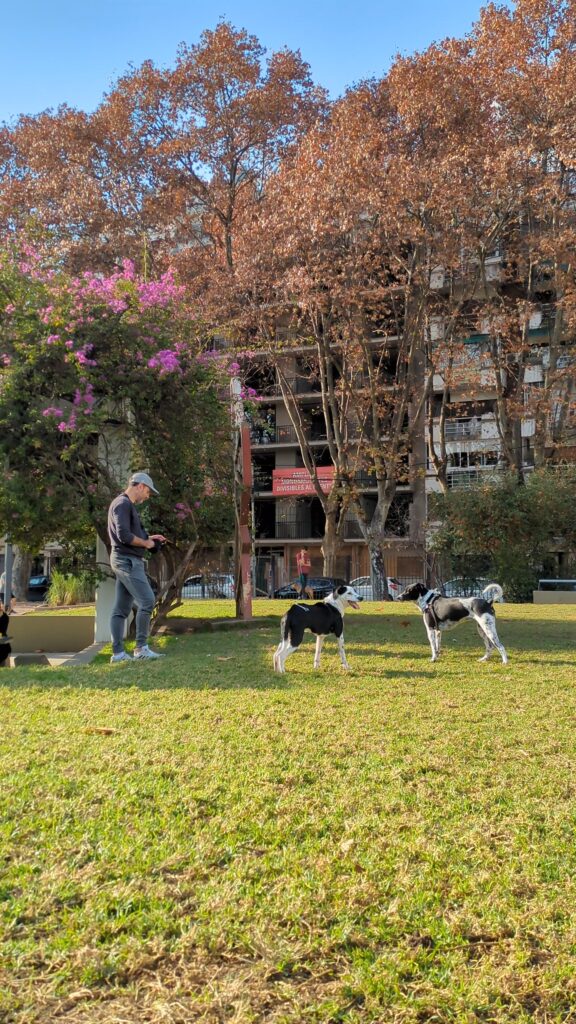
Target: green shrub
[(512, 529), (65, 588)]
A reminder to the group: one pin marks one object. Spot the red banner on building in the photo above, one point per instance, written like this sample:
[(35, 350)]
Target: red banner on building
[(299, 482)]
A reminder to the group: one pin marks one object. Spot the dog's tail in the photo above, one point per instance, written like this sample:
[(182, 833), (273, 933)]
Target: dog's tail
[(493, 592), (284, 630)]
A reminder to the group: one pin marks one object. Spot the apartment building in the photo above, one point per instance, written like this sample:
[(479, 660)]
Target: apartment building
[(471, 434), (286, 511)]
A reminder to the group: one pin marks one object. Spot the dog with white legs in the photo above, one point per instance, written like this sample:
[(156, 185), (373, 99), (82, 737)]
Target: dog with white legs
[(442, 613), (323, 619)]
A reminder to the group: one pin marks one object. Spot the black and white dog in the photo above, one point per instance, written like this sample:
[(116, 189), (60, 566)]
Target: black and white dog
[(322, 618), (5, 648), (441, 613)]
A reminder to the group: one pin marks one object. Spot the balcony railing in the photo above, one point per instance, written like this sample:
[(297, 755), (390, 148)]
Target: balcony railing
[(299, 385), (456, 429), (291, 529), (396, 526), (284, 435), (261, 482), (458, 478)]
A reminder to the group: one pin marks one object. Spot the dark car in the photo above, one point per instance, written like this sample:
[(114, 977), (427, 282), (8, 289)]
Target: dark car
[(209, 585), (321, 587), (38, 587), (465, 586)]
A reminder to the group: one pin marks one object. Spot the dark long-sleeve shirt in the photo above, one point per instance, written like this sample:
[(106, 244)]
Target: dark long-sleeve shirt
[(123, 525)]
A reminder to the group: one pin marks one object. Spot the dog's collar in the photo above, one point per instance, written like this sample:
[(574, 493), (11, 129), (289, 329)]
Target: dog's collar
[(426, 599)]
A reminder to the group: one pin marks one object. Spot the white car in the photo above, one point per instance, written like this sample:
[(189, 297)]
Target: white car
[(363, 587)]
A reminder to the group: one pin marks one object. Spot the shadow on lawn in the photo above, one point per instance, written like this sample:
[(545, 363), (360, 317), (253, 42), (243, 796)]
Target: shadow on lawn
[(206, 661), (536, 634), (100, 675)]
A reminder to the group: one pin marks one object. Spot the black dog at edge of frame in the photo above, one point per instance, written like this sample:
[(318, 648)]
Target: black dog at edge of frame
[(5, 648)]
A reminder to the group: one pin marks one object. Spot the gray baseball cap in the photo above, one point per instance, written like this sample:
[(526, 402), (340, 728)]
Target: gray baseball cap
[(143, 478)]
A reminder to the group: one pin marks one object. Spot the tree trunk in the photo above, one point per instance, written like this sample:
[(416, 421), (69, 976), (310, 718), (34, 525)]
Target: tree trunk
[(378, 574), (168, 569), (375, 540), (21, 573), (329, 543)]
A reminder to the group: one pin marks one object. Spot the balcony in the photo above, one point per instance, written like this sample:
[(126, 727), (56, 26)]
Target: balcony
[(463, 478), (284, 434), (299, 385), (456, 430), (397, 525), (294, 529), (261, 481)]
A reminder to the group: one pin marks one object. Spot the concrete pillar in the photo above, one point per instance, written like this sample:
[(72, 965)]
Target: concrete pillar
[(8, 572), (104, 596), (113, 453)]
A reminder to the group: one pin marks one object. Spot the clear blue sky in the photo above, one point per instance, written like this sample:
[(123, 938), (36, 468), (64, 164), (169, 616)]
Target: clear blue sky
[(55, 51)]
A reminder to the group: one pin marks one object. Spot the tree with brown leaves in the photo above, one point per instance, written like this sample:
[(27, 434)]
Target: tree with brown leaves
[(169, 161)]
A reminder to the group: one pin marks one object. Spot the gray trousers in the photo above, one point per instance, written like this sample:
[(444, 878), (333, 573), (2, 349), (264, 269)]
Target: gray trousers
[(132, 588)]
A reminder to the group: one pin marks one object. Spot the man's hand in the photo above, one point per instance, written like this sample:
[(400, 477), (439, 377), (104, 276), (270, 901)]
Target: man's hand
[(154, 541)]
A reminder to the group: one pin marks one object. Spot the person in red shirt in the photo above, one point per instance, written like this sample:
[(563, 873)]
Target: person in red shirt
[(303, 566)]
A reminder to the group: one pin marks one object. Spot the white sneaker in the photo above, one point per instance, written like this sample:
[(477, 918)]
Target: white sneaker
[(145, 654), (120, 657)]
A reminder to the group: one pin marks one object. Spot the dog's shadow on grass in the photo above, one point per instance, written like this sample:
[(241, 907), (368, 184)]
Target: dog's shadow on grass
[(100, 675), (215, 673)]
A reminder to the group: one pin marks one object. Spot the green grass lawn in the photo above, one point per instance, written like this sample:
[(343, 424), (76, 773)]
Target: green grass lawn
[(201, 840)]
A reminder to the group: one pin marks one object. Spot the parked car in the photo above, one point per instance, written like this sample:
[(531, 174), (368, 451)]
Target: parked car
[(465, 586), (209, 585), (363, 586), (321, 587), (38, 587)]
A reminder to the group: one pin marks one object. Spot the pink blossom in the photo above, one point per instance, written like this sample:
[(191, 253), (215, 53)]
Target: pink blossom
[(182, 510), (128, 269), (52, 410), (46, 313), (84, 398), (83, 359), (165, 361), (52, 338), (29, 251), (10, 308)]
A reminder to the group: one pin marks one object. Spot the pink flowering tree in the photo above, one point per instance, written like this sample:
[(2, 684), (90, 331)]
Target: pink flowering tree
[(87, 359)]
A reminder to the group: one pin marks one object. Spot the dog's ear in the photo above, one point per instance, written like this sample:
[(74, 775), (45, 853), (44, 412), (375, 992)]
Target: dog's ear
[(342, 590)]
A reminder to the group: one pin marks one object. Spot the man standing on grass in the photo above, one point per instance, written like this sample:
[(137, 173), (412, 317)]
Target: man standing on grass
[(129, 540), (303, 566)]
